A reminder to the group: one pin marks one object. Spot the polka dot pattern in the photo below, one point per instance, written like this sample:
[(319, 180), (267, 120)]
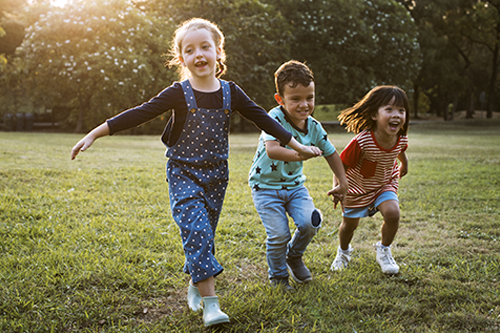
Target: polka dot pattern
[(204, 138), (198, 174)]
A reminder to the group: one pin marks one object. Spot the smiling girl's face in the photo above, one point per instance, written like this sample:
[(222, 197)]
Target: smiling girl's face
[(199, 53), (390, 119)]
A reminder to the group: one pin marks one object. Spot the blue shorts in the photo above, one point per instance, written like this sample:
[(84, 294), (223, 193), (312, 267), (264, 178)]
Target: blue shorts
[(371, 209)]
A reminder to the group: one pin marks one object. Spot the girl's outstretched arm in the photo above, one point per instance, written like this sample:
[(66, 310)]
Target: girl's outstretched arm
[(277, 152), (88, 140), (305, 152)]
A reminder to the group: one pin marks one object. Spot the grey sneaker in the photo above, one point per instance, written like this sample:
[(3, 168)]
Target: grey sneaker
[(282, 283), (342, 259), (300, 273), (385, 260)]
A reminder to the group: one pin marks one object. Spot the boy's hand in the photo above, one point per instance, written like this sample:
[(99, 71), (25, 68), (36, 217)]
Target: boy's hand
[(338, 196)]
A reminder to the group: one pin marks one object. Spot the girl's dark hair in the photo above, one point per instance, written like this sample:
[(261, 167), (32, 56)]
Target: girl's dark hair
[(360, 116), (292, 73)]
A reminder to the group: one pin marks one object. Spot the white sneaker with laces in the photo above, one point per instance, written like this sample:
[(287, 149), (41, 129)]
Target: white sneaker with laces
[(342, 259), (385, 260)]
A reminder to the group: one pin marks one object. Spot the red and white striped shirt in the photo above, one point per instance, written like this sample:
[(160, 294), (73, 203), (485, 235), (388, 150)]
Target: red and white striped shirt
[(371, 168)]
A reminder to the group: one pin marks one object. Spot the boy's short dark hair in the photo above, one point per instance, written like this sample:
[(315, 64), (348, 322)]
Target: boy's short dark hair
[(292, 73)]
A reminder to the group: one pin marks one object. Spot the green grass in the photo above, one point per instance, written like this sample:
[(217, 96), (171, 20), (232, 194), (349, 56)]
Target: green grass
[(89, 245)]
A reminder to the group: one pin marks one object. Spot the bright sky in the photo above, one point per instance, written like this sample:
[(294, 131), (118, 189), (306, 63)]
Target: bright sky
[(59, 3)]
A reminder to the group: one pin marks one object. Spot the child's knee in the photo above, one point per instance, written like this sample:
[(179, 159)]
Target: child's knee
[(315, 221), (349, 224), (279, 239), (392, 216)]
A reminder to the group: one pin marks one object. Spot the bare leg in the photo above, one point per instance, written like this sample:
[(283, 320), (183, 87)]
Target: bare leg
[(206, 287), (390, 212), (346, 231)]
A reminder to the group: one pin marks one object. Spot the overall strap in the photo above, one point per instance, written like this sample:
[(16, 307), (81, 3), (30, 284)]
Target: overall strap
[(191, 101), (226, 95), (189, 95)]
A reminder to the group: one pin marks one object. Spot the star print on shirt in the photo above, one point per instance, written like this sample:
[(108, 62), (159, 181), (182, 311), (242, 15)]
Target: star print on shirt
[(282, 180), (284, 187), (257, 169), (277, 119), (315, 122), (256, 187), (325, 137), (274, 167)]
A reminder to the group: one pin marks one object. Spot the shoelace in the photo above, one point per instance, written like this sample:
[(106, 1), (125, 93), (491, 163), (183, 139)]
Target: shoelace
[(388, 259), (344, 259)]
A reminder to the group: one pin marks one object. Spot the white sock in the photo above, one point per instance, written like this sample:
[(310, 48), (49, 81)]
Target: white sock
[(349, 249), (383, 246)]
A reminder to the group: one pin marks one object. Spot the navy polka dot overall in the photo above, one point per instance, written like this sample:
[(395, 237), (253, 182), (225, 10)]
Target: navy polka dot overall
[(198, 174)]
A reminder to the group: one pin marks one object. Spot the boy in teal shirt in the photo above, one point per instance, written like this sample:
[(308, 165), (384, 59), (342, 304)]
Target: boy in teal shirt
[(277, 180)]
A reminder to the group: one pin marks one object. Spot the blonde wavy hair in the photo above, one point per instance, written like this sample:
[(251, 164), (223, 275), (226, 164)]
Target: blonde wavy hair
[(191, 25)]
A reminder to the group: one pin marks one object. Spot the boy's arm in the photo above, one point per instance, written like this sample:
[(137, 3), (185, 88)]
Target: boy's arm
[(403, 168), (340, 185), (300, 153), (88, 140)]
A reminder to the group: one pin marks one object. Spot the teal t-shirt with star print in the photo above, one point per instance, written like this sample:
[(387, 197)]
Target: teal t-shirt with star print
[(266, 173)]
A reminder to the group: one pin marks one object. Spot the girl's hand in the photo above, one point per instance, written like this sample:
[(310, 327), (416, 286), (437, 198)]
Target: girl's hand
[(89, 139), (403, 170), (82, 145), (403, 166), (303, 152), (307, 152)]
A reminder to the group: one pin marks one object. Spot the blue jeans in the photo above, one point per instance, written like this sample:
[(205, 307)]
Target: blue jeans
[(273, 206)]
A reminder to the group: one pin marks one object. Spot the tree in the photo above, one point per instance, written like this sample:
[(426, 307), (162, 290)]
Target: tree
[(353, 45), (95, 56), (456, 37), (11, 29), (481, 25)]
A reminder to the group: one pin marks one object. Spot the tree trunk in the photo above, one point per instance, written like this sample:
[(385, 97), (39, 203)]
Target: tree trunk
[(470, 111), (493, 79), (454, 106), (416, 96), (82, 107)]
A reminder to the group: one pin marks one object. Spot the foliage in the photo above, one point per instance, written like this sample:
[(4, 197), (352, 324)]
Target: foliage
[(353, 45), (445, 52), (102, 56), (457, 39), (10, 29)]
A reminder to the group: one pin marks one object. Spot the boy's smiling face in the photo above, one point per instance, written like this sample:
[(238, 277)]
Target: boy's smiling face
[(298, 101)]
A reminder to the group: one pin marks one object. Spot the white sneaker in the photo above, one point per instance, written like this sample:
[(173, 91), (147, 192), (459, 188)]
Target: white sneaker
[(342, 259), (385, 260)]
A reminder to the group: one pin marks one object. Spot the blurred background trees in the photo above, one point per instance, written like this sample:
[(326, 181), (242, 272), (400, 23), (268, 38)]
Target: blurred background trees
[(90, 59)]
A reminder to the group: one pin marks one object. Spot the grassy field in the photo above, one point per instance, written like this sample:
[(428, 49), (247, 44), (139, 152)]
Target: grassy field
[(89, 245)]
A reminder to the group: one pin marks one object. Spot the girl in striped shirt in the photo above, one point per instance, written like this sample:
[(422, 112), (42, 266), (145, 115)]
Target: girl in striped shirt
[(380, 121)]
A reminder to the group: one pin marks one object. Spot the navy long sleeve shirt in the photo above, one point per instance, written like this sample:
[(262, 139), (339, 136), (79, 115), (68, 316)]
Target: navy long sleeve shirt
[(172, 98)]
